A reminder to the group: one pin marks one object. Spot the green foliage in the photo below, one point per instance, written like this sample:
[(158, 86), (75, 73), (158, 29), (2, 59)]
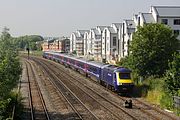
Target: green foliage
[(172, 77), (74, 52), (154, 83), (30, 41), (6, 106), (151, 49), (10, 70), (166, 101)]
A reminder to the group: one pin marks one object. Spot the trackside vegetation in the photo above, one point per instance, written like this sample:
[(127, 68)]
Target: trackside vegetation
[(33, 42), (10, 71), (155, 62)]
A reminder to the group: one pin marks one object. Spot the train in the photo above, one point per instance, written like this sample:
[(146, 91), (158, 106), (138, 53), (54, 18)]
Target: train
[(111, 76)]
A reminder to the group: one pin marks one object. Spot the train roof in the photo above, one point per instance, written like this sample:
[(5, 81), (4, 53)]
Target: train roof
[(115, 68), (95, 63), (122, 69)]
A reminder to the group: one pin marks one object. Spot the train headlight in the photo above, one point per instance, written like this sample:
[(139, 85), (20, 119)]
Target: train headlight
[(120, 83)]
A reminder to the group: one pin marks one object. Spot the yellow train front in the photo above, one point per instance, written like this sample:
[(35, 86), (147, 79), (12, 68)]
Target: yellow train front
[(117, 77)]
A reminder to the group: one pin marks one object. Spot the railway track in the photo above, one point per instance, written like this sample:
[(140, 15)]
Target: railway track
[(38, 110), (82, 112), (110, 108), (143, 108), (150, 111)]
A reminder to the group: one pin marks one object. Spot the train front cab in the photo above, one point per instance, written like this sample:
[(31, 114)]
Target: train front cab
[(124, 81)]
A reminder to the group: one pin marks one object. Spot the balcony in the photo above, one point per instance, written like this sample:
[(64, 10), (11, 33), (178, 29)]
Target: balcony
[(79, 41)]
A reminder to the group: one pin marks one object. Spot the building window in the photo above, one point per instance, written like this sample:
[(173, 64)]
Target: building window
[(164, 21), (139, 21), (114, 41), (176, 21), (107, 47), (176, 32)]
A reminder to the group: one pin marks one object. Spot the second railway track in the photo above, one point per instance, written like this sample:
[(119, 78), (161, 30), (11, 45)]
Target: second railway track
[(89, 102), (82, 112), (36, 101), (92, 99)]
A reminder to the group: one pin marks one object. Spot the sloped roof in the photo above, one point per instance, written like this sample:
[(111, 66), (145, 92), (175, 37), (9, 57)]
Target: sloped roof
[(111, 29), (148, 17), (101, 27), (95, 31), (130, 23), (76, 34), (82, 31), (117, 25), (171, 11)]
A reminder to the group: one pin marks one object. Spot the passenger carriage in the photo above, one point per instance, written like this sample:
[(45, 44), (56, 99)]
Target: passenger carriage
[(111, 76)]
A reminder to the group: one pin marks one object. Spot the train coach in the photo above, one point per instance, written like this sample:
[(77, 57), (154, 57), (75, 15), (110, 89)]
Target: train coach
[(111, 76)]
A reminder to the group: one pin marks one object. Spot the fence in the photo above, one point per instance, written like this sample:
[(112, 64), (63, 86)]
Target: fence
[(176, 101), (177, 104)]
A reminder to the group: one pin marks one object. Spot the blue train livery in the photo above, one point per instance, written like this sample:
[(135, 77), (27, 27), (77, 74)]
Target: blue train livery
[(111, 76)]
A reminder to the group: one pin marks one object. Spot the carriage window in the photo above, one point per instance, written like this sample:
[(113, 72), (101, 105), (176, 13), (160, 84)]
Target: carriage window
[(93, 69), (124, 75), (81, 65)]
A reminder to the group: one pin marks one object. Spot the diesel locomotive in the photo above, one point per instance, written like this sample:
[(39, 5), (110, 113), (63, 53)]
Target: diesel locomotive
[(111, 76)]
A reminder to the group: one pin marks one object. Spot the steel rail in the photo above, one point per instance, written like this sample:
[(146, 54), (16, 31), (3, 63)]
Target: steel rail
[(63, 93), (39, 93)]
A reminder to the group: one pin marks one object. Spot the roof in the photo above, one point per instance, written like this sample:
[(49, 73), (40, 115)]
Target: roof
[(123, 70), (130, 23), (101, 27), (169, 11), (82, 31), (76, 34), (111, 29), (95, 63), (49, 40), (148, 17), (115, 68), (117, 25), (95, 31)]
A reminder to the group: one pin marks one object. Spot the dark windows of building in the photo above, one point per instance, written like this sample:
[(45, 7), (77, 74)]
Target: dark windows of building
[(139, 21), (176, 21), (176, 32), (164, 21), (114, 41)]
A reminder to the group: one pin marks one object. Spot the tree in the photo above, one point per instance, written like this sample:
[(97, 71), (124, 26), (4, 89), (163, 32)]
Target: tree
[(151, 48), (172, 77), (30, 41), (10, 68)]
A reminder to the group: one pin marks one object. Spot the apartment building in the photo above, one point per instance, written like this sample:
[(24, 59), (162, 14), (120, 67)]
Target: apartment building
[(109, 44), (128, 28), (94, 44), (77, 42), (118, 28), (86, 44), (48, 44), (112, 42), (168, 15), (61, 44)]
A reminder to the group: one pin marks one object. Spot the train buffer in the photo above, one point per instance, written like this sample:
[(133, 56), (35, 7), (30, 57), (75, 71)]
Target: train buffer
[(128, 104)]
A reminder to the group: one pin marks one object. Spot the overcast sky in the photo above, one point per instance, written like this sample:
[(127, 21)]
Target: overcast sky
[(62, 17)]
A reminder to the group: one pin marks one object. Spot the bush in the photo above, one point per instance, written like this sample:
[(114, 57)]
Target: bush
[(172, 76), (155, 89), (166, 101), (6, 106)]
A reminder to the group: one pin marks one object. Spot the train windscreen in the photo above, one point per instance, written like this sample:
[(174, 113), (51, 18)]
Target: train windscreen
[(124, 75)]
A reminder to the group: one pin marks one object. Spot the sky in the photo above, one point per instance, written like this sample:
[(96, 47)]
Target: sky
[(56, 18)]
